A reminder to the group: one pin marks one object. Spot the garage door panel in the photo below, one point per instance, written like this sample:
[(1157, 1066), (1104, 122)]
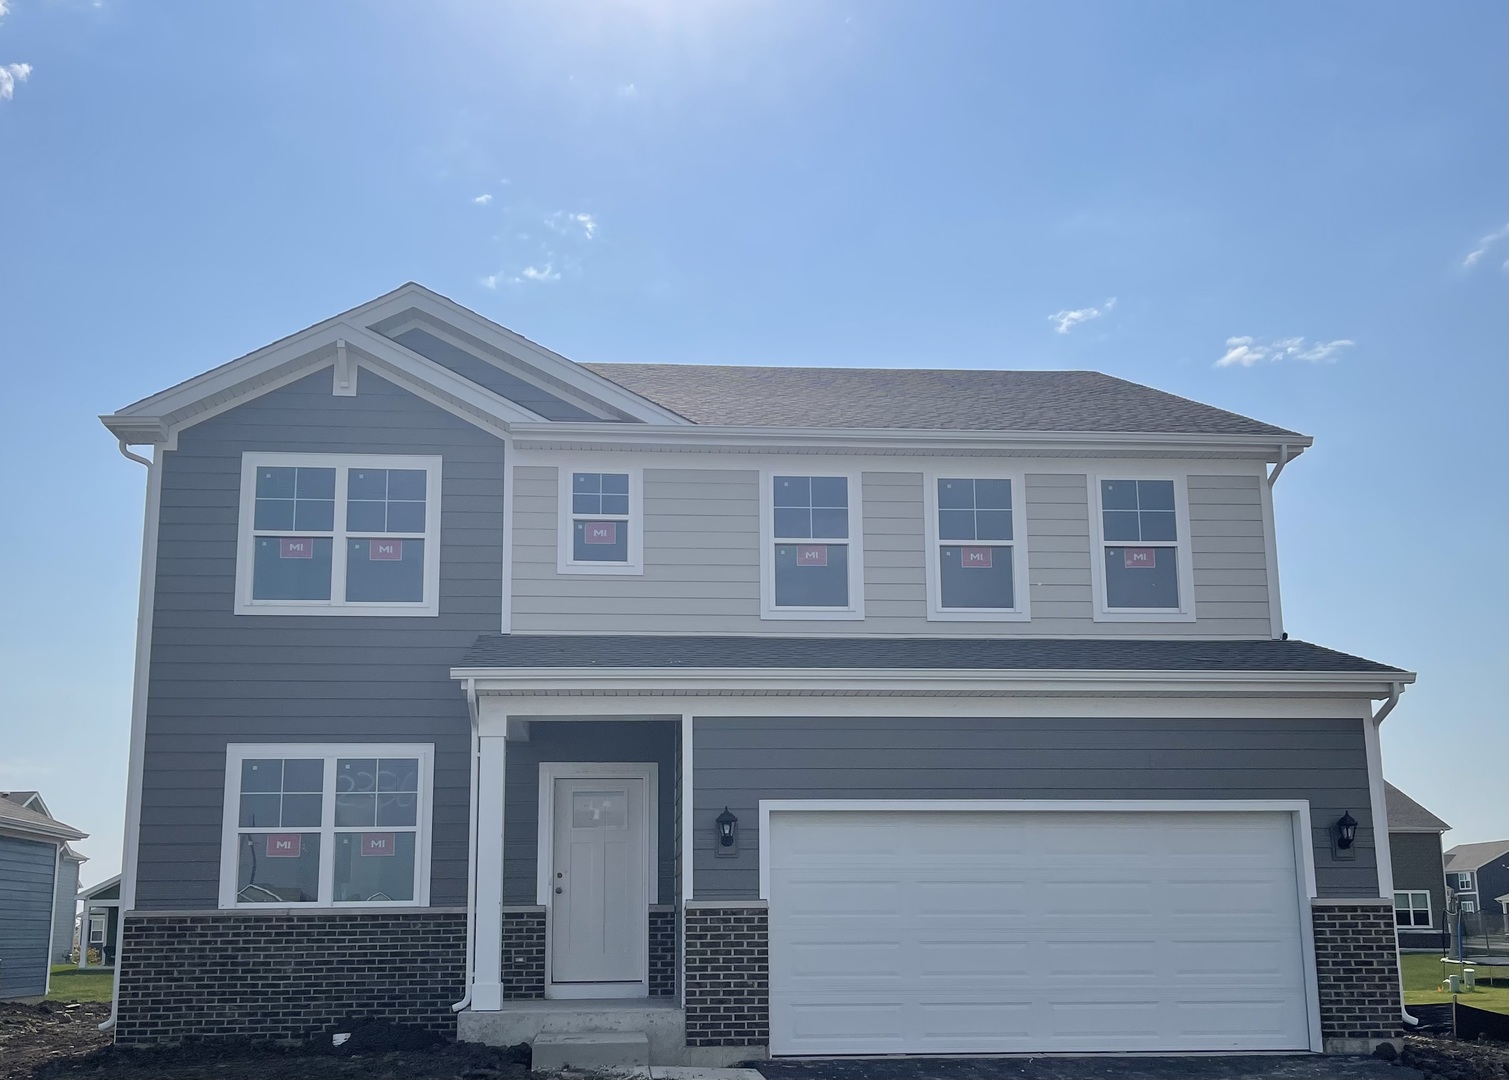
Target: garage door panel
[(1034, 932)]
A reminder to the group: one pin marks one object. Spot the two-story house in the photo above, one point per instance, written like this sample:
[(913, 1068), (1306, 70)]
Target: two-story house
[(744, 710)]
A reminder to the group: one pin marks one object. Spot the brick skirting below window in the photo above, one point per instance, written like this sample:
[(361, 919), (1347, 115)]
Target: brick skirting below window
[(286, 977), (727, 975), (1357, 968)]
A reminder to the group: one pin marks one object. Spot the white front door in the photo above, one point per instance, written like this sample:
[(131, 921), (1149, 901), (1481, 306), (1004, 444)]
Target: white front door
[(599, 884)]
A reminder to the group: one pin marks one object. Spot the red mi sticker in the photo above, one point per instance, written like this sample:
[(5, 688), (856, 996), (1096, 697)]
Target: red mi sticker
[(1139, 558), (385, 550), (812, 554), (980, 557), (600, 532), (283, 845), (295, 547), (379, 843)]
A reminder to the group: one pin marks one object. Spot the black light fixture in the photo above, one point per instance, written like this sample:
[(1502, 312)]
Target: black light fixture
[(1346, 831), (728, 829)]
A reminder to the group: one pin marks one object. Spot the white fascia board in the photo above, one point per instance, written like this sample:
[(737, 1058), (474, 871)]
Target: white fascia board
[(528, 352), (52, 834), (385, 358), (677, 682), (895, 440)]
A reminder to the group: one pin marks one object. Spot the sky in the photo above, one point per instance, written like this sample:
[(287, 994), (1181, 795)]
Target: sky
[(1296, 211)]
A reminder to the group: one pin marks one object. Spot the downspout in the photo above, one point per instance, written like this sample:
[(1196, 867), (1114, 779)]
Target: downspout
[(145, 606), (471, 850), (1394, 690)]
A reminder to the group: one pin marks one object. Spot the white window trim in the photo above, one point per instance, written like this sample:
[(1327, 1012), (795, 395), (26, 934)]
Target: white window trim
[(100, 921), (251, 462), (855, 541), (565, 563), (1021, 590), (236, 753), (1098, 543), (1408, 894), (1472, 881)]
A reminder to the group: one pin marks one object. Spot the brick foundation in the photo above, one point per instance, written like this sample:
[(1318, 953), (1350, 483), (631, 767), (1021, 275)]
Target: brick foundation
[(1358, 972), (286, 977), (662, 952), (727, 975), (524, 952)]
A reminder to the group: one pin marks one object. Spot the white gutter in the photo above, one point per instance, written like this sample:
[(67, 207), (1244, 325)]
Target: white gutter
[(471, 850), (1387, 707), (144, 608)]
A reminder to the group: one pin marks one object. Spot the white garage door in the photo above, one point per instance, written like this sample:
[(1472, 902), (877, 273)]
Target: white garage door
[(1010, 931)]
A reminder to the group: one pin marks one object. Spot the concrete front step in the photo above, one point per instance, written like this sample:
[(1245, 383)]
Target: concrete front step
[(590, 1050)]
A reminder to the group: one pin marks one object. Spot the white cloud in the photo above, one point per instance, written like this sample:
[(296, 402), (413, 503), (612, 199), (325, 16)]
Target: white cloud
[(1065, 321), (628, 92), (483, 199), (564, 221), (1484, 244), (10, 75), (1247, 351), (491, 281), (548, 272)]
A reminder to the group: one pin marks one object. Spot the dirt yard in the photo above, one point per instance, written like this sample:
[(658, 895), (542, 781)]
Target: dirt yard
[(53, 1041)]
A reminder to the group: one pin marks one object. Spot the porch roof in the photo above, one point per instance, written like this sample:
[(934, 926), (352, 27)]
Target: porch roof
[(691, 653)]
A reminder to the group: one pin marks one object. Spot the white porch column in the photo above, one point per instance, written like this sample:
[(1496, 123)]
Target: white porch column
[(487, 984)]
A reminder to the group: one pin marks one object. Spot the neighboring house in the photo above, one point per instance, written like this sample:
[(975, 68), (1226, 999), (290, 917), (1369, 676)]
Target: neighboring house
[(1414, 840), (1478, 874), (100, 921), (65, 895), (32, 859), (802, 711)]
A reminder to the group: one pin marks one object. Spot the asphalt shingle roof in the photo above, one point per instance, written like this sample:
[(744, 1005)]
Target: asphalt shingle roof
[(1405, 813), (17, 817), (1472, 856), (1005, 654), (974, 400)]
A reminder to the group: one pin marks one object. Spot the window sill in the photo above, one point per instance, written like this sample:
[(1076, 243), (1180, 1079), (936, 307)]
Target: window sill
[(978, 615), (1145, 616), (609, 569), (384, 610), (811, 615)]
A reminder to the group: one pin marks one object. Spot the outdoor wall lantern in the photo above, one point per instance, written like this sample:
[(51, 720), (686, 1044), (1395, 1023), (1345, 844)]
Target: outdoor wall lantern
[(1346, 831), (728, 834)]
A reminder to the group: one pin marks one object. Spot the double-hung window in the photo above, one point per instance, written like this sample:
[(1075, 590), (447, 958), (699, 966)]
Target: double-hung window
[(975, 557), (1142, 566), (326, 825), (811, 559), (601, 521), (1412, 908), (325, 534)]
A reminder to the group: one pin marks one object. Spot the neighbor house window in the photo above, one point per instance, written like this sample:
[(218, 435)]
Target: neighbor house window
[(1143, 557), (1412, 908), (97, 929), (811, 554), (323, 825), (1461, 881), (329, 534), (602, 523), (974, 548)]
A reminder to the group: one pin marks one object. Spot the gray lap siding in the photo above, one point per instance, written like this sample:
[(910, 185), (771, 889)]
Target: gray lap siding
[(739, 761), (1416, 860), (219, 678)]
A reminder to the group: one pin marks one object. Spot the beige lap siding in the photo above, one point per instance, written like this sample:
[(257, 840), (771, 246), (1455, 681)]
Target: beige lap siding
[(702, 559)]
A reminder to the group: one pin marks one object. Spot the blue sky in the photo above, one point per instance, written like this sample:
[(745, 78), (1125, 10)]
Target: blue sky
[(1134, 188)]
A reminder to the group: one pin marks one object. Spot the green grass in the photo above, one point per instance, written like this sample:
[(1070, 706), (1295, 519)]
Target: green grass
[(1424, 973), (70, 984)]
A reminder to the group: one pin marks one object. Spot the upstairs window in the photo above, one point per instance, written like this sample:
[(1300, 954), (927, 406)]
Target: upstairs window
[(1462, 881), (1143, 561), (973, 540), (811, 555), (326, 825), (327, 534), (602, 523)]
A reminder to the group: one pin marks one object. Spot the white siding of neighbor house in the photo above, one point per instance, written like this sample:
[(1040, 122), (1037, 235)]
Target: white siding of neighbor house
[(702, 560)]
